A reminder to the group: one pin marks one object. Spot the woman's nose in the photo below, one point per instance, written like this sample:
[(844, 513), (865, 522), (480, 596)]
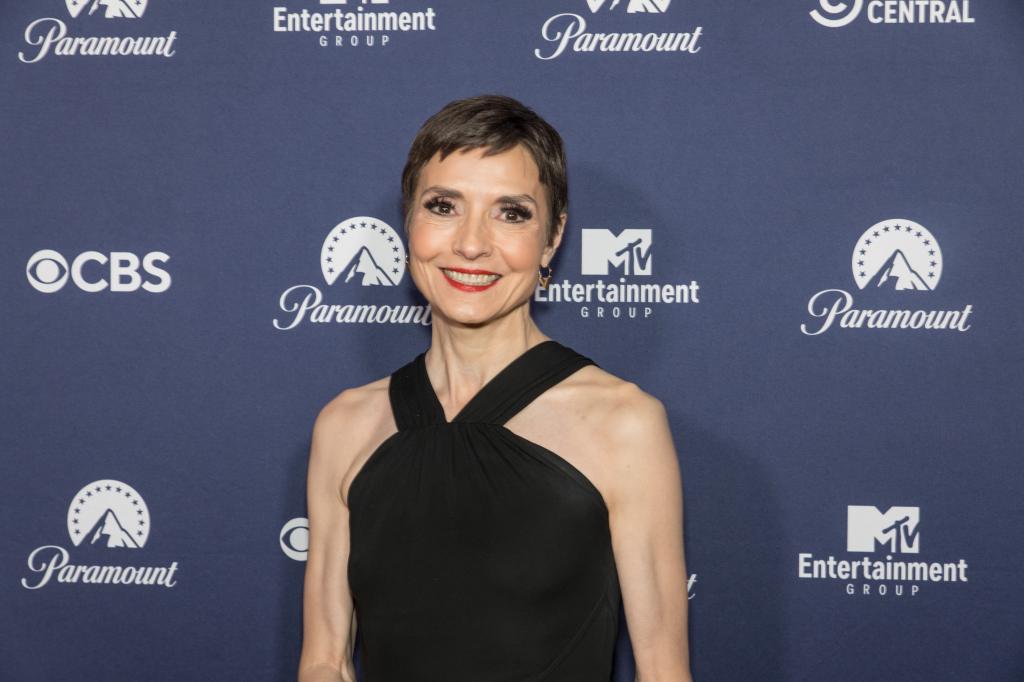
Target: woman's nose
[(473, 238)]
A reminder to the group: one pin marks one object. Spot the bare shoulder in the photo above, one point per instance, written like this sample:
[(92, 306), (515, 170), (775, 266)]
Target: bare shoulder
[(348, 428), (629, 427), (354, 403), (617, 406)]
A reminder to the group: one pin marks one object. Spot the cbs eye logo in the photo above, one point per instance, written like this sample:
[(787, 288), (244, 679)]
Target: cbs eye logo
[(294, 538), (48, 271)]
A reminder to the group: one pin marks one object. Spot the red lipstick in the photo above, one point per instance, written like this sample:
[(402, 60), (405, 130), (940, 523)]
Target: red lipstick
[(464, 286)]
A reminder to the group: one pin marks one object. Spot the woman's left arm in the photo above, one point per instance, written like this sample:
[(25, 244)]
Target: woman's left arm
[(646, 520)]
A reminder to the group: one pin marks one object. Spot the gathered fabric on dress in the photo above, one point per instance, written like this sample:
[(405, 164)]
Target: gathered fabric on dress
[(477, 555)]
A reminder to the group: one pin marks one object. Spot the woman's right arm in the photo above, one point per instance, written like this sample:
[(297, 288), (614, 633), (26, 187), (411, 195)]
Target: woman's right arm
[(328, 629)]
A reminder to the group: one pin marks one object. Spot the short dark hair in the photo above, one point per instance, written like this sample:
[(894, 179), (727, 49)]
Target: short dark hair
[(496, 123)]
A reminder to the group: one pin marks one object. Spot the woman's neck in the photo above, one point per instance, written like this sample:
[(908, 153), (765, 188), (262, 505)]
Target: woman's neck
[(462, 359)]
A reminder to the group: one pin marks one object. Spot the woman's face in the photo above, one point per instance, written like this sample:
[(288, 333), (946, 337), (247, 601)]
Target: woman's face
[(477, 233)]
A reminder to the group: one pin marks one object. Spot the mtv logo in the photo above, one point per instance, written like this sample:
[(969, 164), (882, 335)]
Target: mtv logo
[(896, 529), (628, 252)]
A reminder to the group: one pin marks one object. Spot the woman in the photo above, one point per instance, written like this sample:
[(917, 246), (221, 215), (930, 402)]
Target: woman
[(442, 521)]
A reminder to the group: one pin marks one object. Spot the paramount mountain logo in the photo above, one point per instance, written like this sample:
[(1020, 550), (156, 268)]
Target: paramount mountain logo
[(112, 9), (625, 255), (892, 532), (898, 274), (358, 252), (838, 14), (895, 255), (891, 254), (105, 514), (632, 6), (568, 31), (366, 250), (110, 513), (49, 35), (111, 532)]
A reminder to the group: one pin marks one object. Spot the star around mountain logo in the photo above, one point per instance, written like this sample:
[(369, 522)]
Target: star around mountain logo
[(896, 258), (899, 255), (361, 252), (110, 9), (105, 515), (108, 514), (655, 6)]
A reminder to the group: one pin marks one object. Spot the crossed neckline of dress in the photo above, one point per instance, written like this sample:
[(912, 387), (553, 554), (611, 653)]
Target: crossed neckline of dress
[(489, 386)]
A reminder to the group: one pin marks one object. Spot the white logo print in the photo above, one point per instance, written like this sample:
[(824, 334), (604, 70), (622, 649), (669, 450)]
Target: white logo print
[(621, 256), (363, 251), (294, 538), (831, 10), (104, 515), (896, 529), (49, 35), (899, 255), (48, 271), (358, 252), (876, 541), (358, 25), (568, 32), (837, 14), (657, 6), (896, 255), (629, 251), (112, 9), (108, 513)]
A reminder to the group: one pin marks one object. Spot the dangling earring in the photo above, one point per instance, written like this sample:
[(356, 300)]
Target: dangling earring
[(406, 259), (544, 279)]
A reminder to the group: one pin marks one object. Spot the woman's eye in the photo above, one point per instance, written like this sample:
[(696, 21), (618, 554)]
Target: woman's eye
[(440, 206), (515, 214)]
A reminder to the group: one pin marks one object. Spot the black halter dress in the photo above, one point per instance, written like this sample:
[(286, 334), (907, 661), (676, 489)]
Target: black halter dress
[(477, 555)]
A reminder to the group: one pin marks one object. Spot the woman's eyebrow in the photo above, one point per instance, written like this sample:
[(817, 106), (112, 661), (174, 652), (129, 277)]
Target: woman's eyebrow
[(456, 194), (443, 191), (517, 199)]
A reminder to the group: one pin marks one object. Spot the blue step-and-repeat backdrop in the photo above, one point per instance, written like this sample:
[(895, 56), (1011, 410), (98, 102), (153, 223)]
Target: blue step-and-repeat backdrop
[(799, 224)]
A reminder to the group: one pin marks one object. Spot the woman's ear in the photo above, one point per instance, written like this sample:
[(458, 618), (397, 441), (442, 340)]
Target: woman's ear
[(556, 240)]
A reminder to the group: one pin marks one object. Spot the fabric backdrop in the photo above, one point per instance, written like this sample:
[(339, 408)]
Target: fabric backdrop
[(796, 223)]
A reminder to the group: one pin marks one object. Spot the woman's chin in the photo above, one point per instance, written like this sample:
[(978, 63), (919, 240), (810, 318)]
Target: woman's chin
[(464, 314)]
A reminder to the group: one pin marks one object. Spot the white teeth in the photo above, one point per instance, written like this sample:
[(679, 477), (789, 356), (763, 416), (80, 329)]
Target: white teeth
[(466, 278)]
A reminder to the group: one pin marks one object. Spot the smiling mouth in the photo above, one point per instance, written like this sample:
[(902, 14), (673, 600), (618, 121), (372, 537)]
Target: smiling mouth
[(471, 279)]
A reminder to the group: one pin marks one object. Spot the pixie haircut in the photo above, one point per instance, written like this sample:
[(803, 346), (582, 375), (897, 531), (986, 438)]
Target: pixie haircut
[(496, 123)]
